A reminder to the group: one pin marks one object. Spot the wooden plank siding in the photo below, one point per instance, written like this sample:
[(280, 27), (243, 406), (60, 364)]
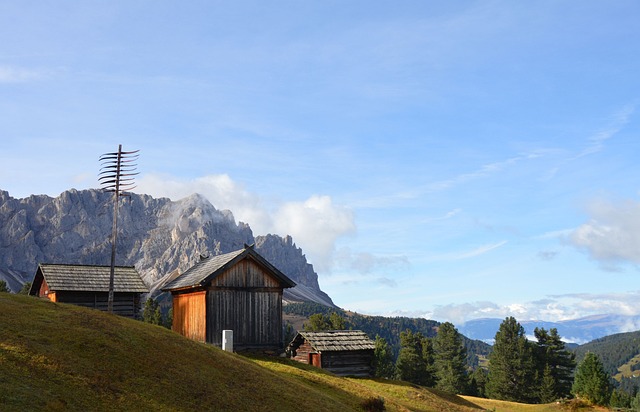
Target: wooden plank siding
[(189, 315), (343, 352), (239, 291), (248, 301), (348, 363), (245, 274), (303, 353), (124, 304)]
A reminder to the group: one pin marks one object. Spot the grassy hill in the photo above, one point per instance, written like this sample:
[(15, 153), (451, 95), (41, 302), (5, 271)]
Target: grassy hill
[(61, 357)]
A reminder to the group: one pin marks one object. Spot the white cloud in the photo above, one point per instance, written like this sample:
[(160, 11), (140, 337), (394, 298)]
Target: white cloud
[(315, 224), (553, 309), (612, 235)]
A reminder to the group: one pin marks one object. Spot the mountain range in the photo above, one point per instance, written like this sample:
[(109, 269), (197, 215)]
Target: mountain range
[(157, 236), (577, 331)]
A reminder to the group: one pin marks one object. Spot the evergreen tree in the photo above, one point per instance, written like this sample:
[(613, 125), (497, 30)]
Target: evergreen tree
[(167, 322), (547, 386), (478, 383), (592, 381), (511, 365), (289, 333), (411, 365), (25, 288), (151, 312), (620, 399), (429, 361), (316, 323), (319, 322), (449, 360), (337, 322), (4, 287), (635, 402), (551, 354), (383, 366)]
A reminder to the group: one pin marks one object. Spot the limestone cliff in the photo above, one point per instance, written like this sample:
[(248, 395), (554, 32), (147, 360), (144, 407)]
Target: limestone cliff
[(157, 236)]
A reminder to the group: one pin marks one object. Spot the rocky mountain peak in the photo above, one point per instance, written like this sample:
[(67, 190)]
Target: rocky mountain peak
[(157, 236)]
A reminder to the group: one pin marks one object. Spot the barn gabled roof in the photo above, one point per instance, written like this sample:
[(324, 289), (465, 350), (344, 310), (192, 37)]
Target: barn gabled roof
[(334, 340), (207, 269), (87, 278)]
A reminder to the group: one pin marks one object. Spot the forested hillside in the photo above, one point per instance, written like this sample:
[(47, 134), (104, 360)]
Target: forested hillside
[(389, 328)]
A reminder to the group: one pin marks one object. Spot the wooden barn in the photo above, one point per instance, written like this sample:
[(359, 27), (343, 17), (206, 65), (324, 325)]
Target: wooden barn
[(240, 291), (343, 352), (88, 286)]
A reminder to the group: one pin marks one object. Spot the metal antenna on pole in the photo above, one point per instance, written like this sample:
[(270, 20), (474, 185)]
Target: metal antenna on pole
[(116, 175)]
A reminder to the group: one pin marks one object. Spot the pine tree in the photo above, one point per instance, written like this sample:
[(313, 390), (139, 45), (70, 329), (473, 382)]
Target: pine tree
[(547, 386), (413, 364), (151, 311), (25, 288), (428, 355), (592, 381), (316, 323), (511, 365), (551, 353), (450, 360), (319, 322), (478, 383), (337, 322), (4, 287), (383, 366), (635, 402)]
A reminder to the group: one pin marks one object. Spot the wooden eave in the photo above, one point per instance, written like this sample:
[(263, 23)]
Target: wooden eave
[(202, 280)]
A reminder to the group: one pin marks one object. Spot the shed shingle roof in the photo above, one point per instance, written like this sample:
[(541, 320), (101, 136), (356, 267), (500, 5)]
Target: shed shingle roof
[(208, 268), (91, 278), (334, 340)]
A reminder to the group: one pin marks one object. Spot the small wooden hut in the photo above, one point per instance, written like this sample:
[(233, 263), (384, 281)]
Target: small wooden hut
[(86, 285), (239, 291), (343, 352)]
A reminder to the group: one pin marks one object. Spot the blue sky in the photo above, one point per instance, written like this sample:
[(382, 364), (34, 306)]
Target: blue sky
[(452, 160)]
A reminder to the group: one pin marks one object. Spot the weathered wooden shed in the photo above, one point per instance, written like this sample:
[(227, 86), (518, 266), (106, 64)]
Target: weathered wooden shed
[(343, 352), (240, 291), (87, 285)]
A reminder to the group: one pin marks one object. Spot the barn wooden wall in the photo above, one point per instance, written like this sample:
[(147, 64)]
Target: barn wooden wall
[(348, 363), (124, 304), (248, 301), (303, 351), (189, 315)]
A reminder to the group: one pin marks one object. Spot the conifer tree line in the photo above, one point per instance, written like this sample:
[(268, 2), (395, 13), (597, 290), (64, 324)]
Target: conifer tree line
[(519, 370)]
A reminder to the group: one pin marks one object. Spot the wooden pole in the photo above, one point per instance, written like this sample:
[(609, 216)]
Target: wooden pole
[(114, 233)]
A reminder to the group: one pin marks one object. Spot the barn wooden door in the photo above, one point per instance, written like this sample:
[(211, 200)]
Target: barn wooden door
[(314, 359)]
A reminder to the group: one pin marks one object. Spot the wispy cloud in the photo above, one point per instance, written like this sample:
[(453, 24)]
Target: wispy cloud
[(480, 250), (450, 214), (365, 263), (596, 143), (9, 74)]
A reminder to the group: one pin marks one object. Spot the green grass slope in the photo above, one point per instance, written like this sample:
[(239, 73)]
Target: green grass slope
[(61, 357)]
